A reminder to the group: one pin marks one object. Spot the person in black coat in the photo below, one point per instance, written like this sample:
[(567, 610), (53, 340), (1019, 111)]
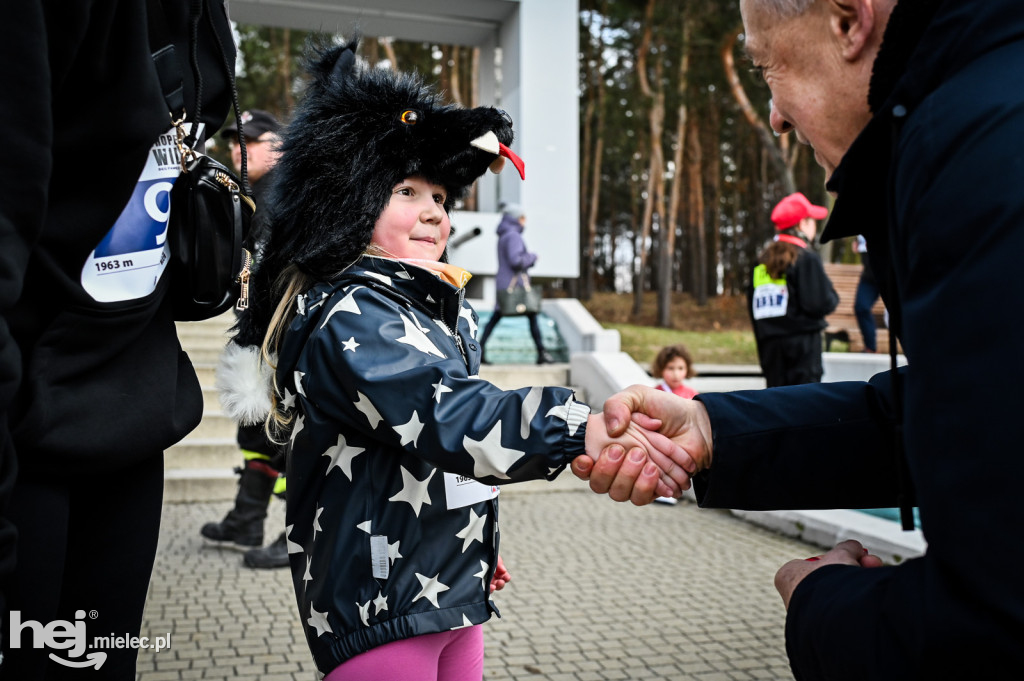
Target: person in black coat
[(790, 294), (915, 109), (94, 385)]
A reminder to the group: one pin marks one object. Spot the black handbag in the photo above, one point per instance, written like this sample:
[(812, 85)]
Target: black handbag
[(210, 207), (519, 298), (209, 223)]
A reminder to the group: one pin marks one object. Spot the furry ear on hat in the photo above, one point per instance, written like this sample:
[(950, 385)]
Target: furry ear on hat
[(357, 132)]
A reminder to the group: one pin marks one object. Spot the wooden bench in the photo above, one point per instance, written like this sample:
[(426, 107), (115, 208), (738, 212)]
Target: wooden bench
[(842, 323)]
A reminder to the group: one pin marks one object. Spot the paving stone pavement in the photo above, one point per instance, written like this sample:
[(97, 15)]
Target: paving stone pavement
[(600, 591)]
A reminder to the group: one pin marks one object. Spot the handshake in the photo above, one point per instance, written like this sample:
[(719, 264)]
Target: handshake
[(647, 443)]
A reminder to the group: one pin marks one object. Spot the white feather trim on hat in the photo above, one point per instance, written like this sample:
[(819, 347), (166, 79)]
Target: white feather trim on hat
[(244, 383)]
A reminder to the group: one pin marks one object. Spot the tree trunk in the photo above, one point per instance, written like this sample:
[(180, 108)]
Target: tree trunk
[(654, 202), (672, 221), (697, 221)]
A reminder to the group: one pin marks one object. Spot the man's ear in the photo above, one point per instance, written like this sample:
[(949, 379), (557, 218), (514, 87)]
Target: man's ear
[(852, 23)]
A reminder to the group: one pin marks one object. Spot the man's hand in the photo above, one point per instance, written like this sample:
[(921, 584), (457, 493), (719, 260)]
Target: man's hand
[(660, 464), (849, 552), (622, 476)]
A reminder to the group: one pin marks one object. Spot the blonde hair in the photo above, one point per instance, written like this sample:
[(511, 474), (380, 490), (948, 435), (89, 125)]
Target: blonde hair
[(291, 283)]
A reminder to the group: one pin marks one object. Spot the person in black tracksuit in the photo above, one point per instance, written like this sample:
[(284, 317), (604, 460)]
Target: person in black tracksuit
[(94, 385), (790, 294), (262, 472)]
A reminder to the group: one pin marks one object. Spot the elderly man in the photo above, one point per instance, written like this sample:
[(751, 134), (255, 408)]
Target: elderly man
[(916, 110)]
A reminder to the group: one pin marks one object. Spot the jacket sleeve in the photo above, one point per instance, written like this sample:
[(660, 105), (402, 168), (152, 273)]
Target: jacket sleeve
[(823, 445), (410, 371)]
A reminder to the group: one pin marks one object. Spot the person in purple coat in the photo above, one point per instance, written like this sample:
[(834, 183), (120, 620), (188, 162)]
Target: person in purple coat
[(513, 262)]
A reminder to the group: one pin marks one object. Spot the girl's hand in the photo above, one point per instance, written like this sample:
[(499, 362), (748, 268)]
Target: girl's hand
[(501, 576)]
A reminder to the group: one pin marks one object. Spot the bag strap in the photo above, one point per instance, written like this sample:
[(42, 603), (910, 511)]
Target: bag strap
[(523, 278), (171, 81)]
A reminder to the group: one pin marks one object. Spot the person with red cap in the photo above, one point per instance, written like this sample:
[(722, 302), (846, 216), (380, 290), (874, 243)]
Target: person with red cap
[(790, 294)]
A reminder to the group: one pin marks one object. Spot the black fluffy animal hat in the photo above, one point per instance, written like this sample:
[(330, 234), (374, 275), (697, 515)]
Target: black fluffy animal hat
[(357, 132)]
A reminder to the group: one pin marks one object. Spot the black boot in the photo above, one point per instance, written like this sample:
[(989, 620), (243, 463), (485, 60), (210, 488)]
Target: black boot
[(544, 357), (272, 556), (242, 527)]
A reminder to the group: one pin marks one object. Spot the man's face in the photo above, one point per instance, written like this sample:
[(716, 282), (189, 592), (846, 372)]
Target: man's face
[(817, 91), (261, 154)]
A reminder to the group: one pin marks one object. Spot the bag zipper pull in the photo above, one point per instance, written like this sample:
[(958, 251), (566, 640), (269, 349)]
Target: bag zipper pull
[(243, 278)]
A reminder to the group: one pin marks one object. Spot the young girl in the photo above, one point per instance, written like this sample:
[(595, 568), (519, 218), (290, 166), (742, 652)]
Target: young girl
[(672, 365), (393, 539)]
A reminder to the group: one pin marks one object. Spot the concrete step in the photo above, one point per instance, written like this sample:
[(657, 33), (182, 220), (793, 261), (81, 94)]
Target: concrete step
[(215, 424), (186, 485), (196, 452)]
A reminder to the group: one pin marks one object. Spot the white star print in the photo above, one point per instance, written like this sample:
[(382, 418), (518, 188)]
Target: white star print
[(292, 546), (316, 521), (417, 338), (341, 456), (444, 329), (299, 423), (572, 412), (467, 314), (530, 407), (431, 588), (365, 526), (298, 382), (409, 432), (319, 621), (350, 344), (346, 304), (310, 308), (484, 569), (307, 576), (289, 400), (439, 389), (472, 532), (393, 552), (414, 492), (364, 612), (382, 277), (300, 304), (465, 623), (367, 409), (380, 603), (489, 457)]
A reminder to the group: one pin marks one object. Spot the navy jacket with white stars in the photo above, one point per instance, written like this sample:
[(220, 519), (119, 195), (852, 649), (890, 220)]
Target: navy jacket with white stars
[(397, 449)]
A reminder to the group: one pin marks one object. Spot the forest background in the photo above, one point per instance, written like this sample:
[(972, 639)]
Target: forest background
[(679, 170)]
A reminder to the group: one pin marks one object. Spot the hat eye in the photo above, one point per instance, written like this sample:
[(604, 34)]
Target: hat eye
[(410, 117)]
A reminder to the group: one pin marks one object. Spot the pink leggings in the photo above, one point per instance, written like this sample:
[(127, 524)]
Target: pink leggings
[(446, 656)]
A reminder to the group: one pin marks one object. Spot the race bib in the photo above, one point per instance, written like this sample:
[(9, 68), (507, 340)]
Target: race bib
[(771, 296), (129, 261), (460, 491)]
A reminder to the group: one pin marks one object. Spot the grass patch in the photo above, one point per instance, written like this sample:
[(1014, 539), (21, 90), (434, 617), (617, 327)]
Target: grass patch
[(716, 333), (642, 343)]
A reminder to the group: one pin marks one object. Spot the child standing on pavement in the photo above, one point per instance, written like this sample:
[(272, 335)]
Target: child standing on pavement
[(396, 446), (673, 365)]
